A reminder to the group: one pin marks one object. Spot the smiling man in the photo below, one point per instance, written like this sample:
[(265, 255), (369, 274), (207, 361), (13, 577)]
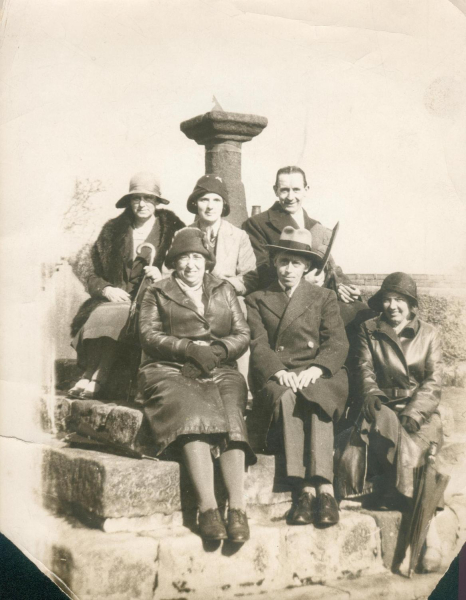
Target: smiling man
[(265, 228)]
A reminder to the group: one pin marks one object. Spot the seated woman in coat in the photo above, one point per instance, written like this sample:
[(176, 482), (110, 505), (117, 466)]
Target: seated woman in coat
[(399, 372), (298, 350), (192, 331), (117, 273)]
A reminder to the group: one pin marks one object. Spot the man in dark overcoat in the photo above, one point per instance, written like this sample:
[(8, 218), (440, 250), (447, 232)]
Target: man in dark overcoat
[(265, 228), (298, 349)]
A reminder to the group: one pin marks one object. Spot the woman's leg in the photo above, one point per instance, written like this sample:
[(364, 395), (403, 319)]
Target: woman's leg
[(198, 461), (108, 350), (93, 356), (232, 464)]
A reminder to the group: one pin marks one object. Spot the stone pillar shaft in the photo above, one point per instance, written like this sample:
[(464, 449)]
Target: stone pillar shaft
[(223, 134)]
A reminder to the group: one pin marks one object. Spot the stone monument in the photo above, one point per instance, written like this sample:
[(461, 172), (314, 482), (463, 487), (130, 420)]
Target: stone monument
[(223, 133)]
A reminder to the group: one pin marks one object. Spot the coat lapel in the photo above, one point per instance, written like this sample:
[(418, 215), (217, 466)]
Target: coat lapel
[(382, 329), (303, 296), (275, 299), (280, 219), (223, 248), (170, 289)]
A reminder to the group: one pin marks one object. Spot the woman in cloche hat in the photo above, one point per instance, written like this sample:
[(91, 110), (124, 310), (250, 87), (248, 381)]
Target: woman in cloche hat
[(399, 376), (298, 350), (192, 331), (118, 270)]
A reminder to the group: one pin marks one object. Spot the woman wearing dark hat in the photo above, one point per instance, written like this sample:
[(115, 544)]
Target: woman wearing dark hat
[(298, 349), (399, 375), (234, 257), (118, 270), (192, 330)]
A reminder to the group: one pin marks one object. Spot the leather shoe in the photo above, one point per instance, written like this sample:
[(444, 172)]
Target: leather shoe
[(303, 512), (326, 511), (237, 526), (211, 525)]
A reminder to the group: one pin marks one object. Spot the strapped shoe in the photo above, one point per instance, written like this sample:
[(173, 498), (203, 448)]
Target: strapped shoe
[(303, 514), (211, 525), (237, 526), (326, 511)]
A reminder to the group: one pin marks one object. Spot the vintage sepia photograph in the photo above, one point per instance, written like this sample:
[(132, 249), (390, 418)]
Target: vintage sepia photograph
[(233, 296)]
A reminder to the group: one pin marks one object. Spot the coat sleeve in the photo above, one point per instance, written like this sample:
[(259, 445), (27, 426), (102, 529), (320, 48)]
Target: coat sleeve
[(427, 397), (259, 241), (264, 362), (96, 281), (365, 375), (154, 341), (333, 343), (245, 280), (237, 342)]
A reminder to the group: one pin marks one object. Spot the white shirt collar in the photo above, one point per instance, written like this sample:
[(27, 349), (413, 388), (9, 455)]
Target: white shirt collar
[(298, 216), (214, 228)]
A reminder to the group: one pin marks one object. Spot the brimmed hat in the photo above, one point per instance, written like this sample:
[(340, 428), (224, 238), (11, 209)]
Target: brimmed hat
[(142, 183), (209, 184), (298, 241), (189, 239), (398, 282)]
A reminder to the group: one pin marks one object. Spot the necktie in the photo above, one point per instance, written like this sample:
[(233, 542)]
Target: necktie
[(210, 237), (288, 291)]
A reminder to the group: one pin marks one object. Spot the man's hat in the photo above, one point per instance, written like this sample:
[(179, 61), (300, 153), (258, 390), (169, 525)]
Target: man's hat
[(209, 184), (312, 244), (142, 183), (399, 283)]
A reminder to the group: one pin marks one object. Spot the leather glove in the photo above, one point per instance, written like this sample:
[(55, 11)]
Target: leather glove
[(202, 357), (220, 353), (370, 406), (190, 370), (409, 424)]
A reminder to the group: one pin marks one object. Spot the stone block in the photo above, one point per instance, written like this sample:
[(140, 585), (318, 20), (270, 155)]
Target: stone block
[(275, 557), (109, 486), (104, 486)]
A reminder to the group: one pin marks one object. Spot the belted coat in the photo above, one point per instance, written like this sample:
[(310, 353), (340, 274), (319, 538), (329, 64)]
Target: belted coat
[(174, 404), (294, 334), (406, 374)]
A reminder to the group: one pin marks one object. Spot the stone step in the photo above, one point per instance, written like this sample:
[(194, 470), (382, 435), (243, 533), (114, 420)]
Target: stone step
[(119, 493), (176, 564)]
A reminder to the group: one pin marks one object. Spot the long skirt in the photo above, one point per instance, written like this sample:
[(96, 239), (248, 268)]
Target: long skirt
[(107, 320), (207, 406)]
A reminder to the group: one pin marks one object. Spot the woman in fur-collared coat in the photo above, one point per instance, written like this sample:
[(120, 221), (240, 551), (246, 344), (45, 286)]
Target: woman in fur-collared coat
[(118, 270)]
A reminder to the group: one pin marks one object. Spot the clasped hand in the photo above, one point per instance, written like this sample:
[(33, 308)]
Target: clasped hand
[(348, 293), (153, 273), (299, 381)]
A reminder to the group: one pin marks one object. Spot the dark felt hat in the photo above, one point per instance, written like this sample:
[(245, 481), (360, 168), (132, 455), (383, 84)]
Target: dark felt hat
[(209, 184), (142, 183), (399, 283), (189, 239)]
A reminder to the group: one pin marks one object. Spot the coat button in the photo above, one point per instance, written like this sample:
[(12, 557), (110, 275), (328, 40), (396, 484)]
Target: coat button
[(310, 344), (280, 348)]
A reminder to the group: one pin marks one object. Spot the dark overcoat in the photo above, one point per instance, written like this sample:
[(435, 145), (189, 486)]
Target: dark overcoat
[(294, 334), (112, 258), (266, 228), (169, 322), (406, 374)]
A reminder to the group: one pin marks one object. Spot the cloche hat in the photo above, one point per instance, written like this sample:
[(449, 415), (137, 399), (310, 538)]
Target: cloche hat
[(398, 282), (189, 239), (142, 183), (209, 184)]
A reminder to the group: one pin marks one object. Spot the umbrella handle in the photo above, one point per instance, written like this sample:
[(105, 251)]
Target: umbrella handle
[(152, 254)]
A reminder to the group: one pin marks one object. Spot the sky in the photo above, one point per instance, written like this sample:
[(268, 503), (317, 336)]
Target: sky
[(369, 99)]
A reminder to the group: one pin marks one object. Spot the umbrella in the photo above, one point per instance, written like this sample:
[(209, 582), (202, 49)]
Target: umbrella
[(132, 325), (429, 490)]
